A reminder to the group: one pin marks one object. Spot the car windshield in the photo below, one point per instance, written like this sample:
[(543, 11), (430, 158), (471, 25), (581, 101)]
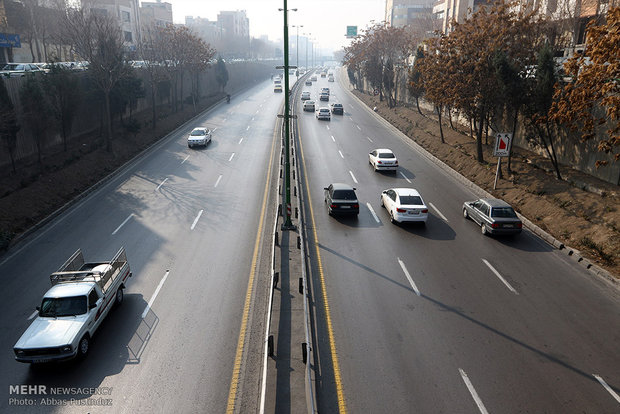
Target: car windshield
[(386, 155), (69, 306), (411, 200), (10, 67), (344, 195), (503, 212), (198, 132)]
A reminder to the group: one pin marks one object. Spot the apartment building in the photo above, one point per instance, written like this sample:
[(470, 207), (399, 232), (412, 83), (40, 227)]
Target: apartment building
[(156, 13), (126, 12)]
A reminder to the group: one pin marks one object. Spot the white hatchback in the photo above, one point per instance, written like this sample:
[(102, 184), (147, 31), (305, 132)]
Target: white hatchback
[(199, 136), (404, 204), (383, 159)]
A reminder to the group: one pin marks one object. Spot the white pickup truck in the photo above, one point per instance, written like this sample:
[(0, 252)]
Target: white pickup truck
[(81, 296)]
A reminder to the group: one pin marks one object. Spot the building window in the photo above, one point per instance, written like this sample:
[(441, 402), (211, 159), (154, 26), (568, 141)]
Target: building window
[(125, 16), (128, 37)]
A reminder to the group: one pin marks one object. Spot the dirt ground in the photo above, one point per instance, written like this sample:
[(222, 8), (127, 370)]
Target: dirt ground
[(35, 191), (585, 220)]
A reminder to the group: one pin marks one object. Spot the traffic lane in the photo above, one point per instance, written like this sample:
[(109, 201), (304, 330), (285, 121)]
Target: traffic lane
[(91, 227)]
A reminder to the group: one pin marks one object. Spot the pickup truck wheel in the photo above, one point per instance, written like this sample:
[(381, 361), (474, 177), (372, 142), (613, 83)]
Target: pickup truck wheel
[(83, 347), (119, 297)]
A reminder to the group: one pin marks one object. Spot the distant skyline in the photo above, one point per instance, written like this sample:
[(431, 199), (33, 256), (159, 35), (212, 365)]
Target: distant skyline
[(325, 20)]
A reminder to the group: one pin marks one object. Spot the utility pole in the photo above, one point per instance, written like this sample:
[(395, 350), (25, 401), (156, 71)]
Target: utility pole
[(307, 34)]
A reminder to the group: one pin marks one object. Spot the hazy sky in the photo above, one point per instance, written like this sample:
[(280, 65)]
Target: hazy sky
[(326, 20)]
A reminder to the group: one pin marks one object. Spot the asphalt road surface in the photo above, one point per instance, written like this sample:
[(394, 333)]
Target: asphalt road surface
[(188, 219), (441, 319)]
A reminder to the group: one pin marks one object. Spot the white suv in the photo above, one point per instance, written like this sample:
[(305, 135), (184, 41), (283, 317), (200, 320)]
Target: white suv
[(199, 136)]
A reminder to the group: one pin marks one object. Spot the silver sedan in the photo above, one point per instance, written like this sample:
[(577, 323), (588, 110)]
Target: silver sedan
[(494, 216)]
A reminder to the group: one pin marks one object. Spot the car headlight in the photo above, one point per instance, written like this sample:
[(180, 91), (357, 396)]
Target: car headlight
[(66, 348), (19, 352)]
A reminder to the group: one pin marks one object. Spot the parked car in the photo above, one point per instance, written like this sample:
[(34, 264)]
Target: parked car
[(494, 216), (199, 136), (341, 199), (309, 106), (323, 113), (16, 70), (383, 159), (337, 109), (404, 204), (305, 95)]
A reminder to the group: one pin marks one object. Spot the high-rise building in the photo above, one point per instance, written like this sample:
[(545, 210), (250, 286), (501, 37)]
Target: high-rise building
[(234, 23), (414, 14)]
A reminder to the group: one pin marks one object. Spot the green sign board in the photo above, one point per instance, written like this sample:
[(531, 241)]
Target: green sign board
[(351, 31)]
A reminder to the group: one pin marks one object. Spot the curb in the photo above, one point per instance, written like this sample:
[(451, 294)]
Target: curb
[(557, 244)]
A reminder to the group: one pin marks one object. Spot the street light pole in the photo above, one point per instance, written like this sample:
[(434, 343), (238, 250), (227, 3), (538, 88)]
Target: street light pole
[(297, 48), (307, 34)]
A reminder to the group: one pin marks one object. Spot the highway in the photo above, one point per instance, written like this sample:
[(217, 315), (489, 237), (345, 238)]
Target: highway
[(442, 319), (189, 220)]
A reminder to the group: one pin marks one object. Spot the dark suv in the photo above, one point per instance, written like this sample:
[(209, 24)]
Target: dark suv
[(337, 109), (341, 199)]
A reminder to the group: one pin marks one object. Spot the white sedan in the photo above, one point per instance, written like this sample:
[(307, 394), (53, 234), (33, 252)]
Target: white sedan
[(305, 95), (199, 136), (323, 113), (404, 204), (383, 159)]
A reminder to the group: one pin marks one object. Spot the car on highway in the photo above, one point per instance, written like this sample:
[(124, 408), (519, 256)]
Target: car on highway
[(494, 216), (404, 205), (324, 96), (341, 199), (309, 106), (323, 113), (199, 137), (330, 78), (313, 78), (383, 159), (326, 90), (309, 82), (305, 95), (337, 109), (323, 74), (277, 88)]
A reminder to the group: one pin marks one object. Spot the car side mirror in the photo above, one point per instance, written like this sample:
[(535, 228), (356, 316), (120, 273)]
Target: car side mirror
[(38, 308), (354, 188), (325, 188), (383, 192)]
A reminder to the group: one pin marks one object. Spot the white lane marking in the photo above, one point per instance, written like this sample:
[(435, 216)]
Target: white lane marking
[(340, 152), (122, 224), (261, 105), (248, 128), (438, 212), (231, 157), (33, 314), (215, 129), (607, 387), (196, 219), (185, 159), (252, 118), (405, 177), (162, 183), (500, 277), (218, 180), (411, 282), (358, 127), (368, 138), (231, 112), (352, 176), (150, 304), (327, 126), (241, 140), (333, 139), (473, 392), (373, 213)]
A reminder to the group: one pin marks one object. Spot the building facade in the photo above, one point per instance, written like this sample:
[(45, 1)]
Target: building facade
[(126, 12), (158, 14)]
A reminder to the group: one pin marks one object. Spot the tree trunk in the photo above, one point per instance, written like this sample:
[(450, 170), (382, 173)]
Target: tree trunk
[(154, 103), (417, 104), (480, 154), (554, 159), (12, 161), (514, 132), (439, 109), (450, 118), (108, 122)]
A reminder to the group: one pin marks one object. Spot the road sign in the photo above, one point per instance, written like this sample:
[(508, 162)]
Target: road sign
[(351, 31), (503, 141)]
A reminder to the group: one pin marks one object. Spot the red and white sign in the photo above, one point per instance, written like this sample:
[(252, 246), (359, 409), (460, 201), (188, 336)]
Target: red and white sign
[(503, 142)]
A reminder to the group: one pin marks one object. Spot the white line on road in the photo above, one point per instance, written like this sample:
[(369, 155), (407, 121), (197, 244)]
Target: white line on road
[(327, 126), (122, 224), (374, 215), (248, 128), (162, 183), (33, 314), (150, 304), (368, 138), (241, 140), (358, 127), (215, 129), (500, 277), (196, 219), (340, 152), (352, 176), (231, 157), (185, 159), (411, 282), (437, 211), (253, 117), (607, 387), (333, 139), (473, 392), (405, 177), (218, 180)]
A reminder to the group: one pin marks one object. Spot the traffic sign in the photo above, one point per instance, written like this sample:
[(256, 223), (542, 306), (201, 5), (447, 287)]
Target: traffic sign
[(503, 142), (351, 31)]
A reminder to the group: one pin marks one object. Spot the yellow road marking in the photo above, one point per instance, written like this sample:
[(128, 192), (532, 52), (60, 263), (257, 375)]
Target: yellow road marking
[(342, 408), (234, 383)]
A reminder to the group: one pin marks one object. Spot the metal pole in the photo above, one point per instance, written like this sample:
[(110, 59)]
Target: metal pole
[(307, 51), (287, 167)]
